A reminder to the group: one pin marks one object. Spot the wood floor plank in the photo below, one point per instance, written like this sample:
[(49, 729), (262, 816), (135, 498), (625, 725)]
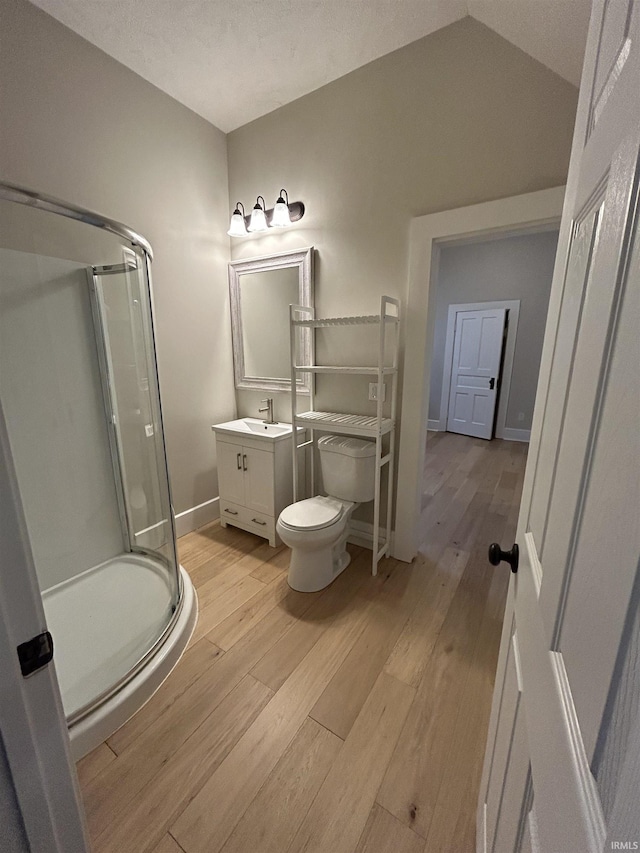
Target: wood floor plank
[(273, 568), (210, 591), (384, 834), (106, 798), (341, 702), (410, 787), (272, 819), (165, 796), (195, 661), (457, 797), (439, 523), (168, 845), (239, 778), (197, 550), (225, 604), (206, 567), (232, 629), (339, 813), (94, 763), (411, 653), (278, 664)]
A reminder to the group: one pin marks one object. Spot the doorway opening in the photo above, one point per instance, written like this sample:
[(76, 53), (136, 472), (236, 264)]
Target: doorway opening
[(431, 235), (491, 298)]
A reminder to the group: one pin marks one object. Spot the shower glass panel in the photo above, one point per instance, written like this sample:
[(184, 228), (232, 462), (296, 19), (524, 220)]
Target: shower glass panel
[(123, 320), (79, 392)]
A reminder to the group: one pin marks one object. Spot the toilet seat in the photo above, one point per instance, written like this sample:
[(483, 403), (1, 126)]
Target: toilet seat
[(312, 513)]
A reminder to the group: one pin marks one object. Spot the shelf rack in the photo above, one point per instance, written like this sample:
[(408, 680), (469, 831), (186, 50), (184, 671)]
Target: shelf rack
[(343, 423)]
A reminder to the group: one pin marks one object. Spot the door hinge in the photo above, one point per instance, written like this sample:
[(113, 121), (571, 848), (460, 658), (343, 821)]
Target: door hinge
[(35, 653)]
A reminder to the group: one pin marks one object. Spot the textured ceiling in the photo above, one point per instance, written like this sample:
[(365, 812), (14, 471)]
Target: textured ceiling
[(232, 61)]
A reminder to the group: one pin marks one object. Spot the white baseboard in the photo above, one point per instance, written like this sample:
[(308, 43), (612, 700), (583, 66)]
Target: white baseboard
[(361, 533), (436, 425), (197, 516), (510, 434)]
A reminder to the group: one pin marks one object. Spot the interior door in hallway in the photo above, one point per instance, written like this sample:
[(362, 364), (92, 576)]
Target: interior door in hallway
[(477, 351), (562, 766)]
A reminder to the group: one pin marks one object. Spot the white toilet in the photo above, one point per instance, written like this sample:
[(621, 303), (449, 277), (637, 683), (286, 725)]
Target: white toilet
[(316, 529)]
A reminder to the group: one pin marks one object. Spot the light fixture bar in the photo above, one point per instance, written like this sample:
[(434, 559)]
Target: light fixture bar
[(238, 220)]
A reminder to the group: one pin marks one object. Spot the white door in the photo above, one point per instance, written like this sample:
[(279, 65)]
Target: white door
[(230, 471), (562, 766), (258, 482), (39, 797), (477, 350)]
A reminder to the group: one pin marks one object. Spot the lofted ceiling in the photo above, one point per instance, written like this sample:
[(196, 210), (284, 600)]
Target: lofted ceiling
[(232, 61)]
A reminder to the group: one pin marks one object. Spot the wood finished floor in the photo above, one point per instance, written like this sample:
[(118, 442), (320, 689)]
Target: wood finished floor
[(352, 720)]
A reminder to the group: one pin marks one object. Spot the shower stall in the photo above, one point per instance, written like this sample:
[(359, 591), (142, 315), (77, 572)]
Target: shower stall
[(80, 400)]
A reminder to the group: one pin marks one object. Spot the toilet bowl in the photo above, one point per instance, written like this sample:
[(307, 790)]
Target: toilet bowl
[(316, 529)]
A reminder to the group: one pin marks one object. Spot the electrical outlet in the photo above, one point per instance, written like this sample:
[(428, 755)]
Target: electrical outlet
[(373, 391), (520, 416)]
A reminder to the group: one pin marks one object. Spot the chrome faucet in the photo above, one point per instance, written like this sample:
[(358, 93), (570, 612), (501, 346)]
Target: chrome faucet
[(269, 410)]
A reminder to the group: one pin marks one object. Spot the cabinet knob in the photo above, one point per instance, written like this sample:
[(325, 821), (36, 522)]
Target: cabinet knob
[(497, 556)]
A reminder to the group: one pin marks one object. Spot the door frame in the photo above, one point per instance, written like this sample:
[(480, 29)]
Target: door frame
[(542, 210), (512, 306)]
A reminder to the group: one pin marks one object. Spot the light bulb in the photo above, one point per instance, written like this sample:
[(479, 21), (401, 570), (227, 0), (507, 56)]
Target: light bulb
[(281, 217), (258, 219), (237, 227)]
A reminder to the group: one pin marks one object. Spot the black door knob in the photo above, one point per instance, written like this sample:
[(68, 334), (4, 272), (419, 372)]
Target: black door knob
[(497, 555)]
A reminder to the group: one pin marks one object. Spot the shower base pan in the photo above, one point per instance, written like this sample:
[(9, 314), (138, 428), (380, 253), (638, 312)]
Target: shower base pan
[(115, 642)]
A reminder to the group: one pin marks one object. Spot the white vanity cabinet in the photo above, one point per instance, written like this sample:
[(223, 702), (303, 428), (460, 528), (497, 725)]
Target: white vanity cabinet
[(255, 481)]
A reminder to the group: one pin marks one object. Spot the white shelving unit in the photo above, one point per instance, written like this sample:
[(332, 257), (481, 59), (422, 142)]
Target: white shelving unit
[(343, 423)]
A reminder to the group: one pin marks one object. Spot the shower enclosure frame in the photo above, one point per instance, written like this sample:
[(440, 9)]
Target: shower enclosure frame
[(117, 464), (20, 195)]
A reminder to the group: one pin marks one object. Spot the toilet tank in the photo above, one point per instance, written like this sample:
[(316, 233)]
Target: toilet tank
[(348, 467)]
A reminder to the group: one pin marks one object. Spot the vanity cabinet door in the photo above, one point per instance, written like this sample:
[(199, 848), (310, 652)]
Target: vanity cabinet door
[(230, 472), (258, 480)]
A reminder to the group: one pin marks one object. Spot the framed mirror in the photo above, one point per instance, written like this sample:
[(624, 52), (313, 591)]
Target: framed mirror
[(262, 289)]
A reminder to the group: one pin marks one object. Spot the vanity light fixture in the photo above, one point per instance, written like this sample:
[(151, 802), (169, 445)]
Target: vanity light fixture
[(281, 217), (258, 216), (237, 227)]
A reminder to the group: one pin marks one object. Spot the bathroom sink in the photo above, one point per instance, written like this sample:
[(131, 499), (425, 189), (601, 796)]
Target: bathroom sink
[(255, 428)]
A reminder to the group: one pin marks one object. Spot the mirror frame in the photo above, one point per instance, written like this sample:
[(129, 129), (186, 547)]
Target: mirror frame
[(303, 260)]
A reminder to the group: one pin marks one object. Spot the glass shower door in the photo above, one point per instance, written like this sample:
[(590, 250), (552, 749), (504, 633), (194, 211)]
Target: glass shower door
[(122, 307)]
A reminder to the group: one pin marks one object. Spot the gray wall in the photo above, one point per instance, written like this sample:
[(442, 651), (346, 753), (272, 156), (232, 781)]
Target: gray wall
[(78, 125), (515, 267), (456, 118)]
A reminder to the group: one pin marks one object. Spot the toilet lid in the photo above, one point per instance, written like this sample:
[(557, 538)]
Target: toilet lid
[(312, 513)]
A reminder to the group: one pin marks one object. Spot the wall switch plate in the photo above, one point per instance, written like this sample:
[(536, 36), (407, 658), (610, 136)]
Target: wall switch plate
[(373, 391)]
